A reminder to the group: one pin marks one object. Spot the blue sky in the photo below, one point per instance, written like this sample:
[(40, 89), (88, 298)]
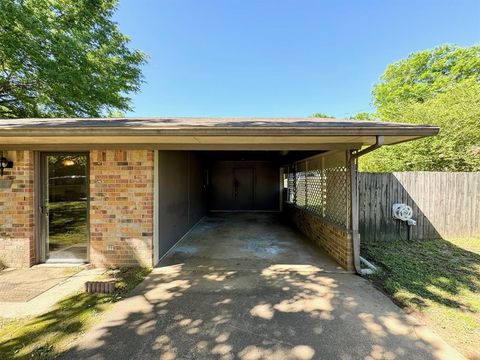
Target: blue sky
[(280, 57)]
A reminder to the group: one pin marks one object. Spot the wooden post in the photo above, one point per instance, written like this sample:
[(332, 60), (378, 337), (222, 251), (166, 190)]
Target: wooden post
[(354, 213)]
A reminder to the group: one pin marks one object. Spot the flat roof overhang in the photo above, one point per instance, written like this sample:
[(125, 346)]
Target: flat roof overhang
[(204, 133)]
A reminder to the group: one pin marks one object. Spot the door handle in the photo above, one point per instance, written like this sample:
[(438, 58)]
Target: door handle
[(44, 210), (236, 185)]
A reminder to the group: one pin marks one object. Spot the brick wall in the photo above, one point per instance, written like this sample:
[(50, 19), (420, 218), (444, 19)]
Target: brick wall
[(121, 207), (17, 240), (336, 241)]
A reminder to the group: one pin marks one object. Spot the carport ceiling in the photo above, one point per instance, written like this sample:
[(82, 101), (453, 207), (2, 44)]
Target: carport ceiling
[(280, 157), (206, 133)]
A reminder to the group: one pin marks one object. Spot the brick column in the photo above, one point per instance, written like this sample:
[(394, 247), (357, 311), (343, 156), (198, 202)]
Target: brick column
[(121, 207), (17, 229)]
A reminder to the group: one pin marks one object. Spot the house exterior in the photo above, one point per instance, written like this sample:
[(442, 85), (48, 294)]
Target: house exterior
[(116, 192)]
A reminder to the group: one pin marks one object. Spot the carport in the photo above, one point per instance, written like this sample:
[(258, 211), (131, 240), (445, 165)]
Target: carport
[(147, 182), (302, 170), (310, 189)]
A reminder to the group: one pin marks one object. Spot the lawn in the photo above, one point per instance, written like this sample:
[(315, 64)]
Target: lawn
[(437, 279), (50, 334)]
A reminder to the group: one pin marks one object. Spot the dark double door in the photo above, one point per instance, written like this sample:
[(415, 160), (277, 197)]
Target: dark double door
[(243, 186)]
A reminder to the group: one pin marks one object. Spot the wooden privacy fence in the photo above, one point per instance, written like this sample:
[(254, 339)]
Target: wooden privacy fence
[(445, 204)]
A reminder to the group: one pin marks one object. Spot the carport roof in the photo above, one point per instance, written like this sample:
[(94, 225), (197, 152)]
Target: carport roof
[(166, 132)]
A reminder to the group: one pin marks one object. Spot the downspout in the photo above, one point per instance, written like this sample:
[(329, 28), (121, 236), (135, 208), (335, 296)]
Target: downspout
[(379, 141)]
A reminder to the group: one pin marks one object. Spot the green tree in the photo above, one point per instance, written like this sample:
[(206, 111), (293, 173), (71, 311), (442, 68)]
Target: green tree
[(456, 148), (439, 87), (364, 116), (64, 58), (115, 114), (424, 75), (322, 116)]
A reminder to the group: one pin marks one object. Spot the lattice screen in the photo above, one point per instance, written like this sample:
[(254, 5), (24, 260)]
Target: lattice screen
[(301, 184), (322, 185), (291, 184)]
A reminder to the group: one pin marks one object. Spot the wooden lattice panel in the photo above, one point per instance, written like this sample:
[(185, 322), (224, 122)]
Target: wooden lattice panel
[(322, 185)]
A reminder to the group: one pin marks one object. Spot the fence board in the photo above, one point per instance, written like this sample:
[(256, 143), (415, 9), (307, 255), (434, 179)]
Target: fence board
[(444, 204)]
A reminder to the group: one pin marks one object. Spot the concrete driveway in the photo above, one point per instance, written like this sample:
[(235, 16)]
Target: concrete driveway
[(246, 286)]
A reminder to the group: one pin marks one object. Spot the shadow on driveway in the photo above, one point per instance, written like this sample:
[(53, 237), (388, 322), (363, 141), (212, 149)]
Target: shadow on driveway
[(218, 295)]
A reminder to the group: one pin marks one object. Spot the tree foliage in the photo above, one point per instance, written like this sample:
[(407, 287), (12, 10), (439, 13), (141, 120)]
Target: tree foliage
[(434, 87), (322, 115), (364, 116), (424, 75), (456, 148), (64, 58)]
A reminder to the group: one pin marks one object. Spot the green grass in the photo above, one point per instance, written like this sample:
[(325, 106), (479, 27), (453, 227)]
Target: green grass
[(52, 333), (439, 279), (67, 223), (469, 244)]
